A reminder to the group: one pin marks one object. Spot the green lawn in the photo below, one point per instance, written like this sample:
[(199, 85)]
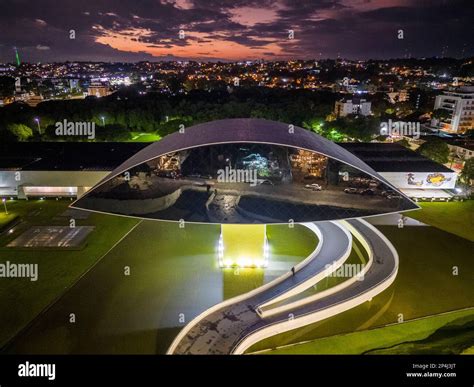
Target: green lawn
[(144, 137), (424, 286), (5, 219), (173, 277), (23, 208), (454, 338), (26, 209), (297, 241), (454, 217), (390, 337), (58, 269)]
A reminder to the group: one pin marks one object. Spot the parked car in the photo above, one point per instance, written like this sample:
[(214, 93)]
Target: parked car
[(314, 187), (393, 196), (351, 190), (264, 182)]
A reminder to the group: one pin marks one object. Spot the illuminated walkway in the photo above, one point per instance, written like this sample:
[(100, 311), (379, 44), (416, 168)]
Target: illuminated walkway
[(380, 273), (234, 325)]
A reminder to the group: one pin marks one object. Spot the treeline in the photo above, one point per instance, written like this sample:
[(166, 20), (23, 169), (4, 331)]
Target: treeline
[(126, 111)]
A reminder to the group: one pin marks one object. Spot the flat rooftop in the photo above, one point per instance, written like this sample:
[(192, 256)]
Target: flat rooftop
[(391, 157), (106, 156), (66, 156)]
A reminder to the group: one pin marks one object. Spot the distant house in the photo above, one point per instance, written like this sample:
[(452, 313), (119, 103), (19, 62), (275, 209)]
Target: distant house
[(357, 106), (98, 90), (398, 96)]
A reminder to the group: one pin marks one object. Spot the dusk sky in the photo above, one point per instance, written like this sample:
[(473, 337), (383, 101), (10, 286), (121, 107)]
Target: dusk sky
[(124, 30)]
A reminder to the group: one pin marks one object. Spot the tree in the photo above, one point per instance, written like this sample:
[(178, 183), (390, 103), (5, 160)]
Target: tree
[(7, 86), (442, 114), (467, 173), (436, 150), (379, 106), (174, 84), (112, 133), (20, 131), (403, 109)]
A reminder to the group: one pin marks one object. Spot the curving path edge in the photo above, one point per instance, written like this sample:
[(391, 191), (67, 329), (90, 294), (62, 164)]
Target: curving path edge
[(236, 324)]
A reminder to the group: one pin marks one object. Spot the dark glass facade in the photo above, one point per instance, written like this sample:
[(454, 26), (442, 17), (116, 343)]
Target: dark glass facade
[(244, 183)]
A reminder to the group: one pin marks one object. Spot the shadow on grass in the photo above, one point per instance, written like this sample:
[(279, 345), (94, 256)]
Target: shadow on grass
[(451, 339)]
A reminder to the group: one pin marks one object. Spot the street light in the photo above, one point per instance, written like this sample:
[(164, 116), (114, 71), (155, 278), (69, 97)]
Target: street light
[(5, 205), (103, 120), (37, 120)]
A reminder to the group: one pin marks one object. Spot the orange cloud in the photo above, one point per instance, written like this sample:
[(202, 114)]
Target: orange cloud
[(128, 40)]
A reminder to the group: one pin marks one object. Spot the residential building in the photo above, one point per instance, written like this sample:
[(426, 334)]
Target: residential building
[(460, 107), (98, 90), (356, 106)]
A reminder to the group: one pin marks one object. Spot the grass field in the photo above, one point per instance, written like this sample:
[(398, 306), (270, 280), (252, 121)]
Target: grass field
[(453, 217), (424, 286), (174, 276), (5, 219), (46, 209), (144, 137), (58, 269), (454, 338), (24, 209), (388, 339), (298, 241)]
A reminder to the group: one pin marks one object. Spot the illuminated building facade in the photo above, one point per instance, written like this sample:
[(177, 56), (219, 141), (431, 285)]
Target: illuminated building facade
[(460, 108)]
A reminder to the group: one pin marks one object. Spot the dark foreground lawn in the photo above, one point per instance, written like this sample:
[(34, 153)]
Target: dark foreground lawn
[(21, 299)]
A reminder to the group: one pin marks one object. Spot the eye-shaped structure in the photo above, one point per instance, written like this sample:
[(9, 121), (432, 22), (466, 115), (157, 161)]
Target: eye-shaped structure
[(244, 171)]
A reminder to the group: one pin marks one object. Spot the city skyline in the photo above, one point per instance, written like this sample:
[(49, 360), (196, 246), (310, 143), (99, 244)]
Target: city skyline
[(231, 31)]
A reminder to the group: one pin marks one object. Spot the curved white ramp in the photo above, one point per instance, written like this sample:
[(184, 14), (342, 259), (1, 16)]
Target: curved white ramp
[(234, 325)]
